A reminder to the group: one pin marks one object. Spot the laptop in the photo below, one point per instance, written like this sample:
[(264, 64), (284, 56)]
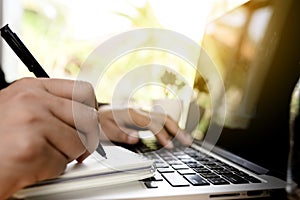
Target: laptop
[(257, 47)]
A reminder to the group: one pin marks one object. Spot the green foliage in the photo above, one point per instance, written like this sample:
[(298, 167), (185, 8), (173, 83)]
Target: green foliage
[(144, 17)]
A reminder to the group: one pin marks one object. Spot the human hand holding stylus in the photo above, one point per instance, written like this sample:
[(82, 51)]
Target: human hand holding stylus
[(32, 64)]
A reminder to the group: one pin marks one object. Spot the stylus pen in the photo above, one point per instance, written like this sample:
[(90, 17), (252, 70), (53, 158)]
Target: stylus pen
[(22, 52), (30, 62)]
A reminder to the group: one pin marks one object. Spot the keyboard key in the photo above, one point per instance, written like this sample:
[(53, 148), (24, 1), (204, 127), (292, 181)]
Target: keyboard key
[(196, 180), (240, 173), (209, 175), (150, 184), (158, 161), (179, 153), (161, 165), (165, 170), (187, 166), (175, 179), (223, 171), (151, 155), (215, 167), (218, 181), (194, 165), (233, 169), (168, 158), (180, 166), (164, 154), (202, 170), (251, 179), (233, 178), (174, 162), (186, 171), (182, 157), (197, 157), (189, 161), (157, 177)]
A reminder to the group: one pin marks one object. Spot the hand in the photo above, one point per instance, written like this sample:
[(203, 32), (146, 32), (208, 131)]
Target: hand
[(44, 124), (122, 125)]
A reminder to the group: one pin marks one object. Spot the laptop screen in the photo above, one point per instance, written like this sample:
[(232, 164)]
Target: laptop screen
[(255, 49)]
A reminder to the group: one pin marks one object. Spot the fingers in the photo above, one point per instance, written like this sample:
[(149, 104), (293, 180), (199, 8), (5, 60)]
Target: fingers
[(115, 131), (83, 156), (164, 139), (17, 175), (81, 116), (65, 139), (123, 121), (79, 91), (163, 127), (73, 103), (182, 136), (47, 124), (127, 135), (33, 158), (55, 161)]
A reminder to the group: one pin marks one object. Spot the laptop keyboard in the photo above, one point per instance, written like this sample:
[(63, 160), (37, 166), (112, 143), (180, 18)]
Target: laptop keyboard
[(186, 166)]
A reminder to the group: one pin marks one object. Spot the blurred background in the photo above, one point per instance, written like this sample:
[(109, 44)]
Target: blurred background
[(61, 34)]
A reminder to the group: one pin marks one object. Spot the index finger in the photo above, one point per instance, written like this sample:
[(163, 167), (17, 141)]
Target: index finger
[(182, 136), (79, 91), (161, 125)]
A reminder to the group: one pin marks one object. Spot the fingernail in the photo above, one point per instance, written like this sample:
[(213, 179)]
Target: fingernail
[(170, 145), (133, 138), (188, 140)]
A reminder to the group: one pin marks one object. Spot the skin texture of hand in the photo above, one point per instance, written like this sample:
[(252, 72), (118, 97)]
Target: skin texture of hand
[(122, 125), (44, 124)]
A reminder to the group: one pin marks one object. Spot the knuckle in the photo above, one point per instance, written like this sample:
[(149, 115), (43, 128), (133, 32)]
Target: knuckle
[(30, 118), (34, 119), (139, 120), (131, 140), (94, 115), (27, 95), (30, 148), (60, 103), (87, 88), (26, 80)]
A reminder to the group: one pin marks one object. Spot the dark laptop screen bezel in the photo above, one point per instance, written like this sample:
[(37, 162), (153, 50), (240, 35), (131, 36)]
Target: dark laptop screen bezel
[(265, 140)]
